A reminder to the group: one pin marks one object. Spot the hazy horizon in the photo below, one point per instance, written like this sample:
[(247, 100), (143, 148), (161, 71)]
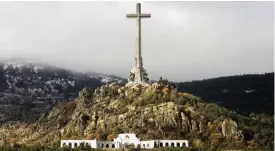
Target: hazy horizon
[(182, 41)]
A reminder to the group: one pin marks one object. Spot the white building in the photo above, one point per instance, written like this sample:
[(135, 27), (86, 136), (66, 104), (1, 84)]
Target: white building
[(125, 139)]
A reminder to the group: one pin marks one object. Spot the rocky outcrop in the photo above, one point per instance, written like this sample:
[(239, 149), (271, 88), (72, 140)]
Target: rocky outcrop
[(229, 127), (230, 130)]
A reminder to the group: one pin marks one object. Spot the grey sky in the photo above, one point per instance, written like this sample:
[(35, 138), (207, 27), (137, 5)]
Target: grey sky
[(182, 41)]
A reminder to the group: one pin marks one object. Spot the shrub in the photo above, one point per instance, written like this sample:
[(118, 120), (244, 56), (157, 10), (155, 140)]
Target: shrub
[(212, 110), (165, 90), (74, 137), (122, 110), (180, 100), (12, 140), (91, 136), (110, 137)]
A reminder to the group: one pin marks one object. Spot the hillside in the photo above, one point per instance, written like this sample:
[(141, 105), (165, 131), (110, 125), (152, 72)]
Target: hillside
[(29, 89), (152, 112), (244, 94)]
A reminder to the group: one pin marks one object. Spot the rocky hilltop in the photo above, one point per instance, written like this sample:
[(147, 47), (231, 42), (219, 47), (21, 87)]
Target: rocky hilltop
[(152, 111)]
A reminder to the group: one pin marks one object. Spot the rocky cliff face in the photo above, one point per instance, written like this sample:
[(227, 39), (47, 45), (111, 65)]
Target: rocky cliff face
[(151, 111)]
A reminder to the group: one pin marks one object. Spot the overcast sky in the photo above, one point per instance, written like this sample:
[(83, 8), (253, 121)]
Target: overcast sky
[(182, 41)]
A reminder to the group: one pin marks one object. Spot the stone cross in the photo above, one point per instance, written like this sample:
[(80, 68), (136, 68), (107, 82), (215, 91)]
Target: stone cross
[(138, 74)]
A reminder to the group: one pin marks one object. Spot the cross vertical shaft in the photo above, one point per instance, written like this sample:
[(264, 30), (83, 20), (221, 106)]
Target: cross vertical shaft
[(138, 38), (138, 70)]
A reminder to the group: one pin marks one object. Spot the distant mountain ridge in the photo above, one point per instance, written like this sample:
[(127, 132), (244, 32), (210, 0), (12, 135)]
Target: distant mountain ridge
[(242, 93), (105, 78), (27, 89)]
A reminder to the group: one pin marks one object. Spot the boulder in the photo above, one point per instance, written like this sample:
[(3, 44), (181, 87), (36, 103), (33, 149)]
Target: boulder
[(137, 87), (194, 126), (155, 86), (229, 127), (201, 127)]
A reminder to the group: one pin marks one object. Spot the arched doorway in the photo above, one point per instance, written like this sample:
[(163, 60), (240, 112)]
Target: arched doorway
[(75, 144), (166, 144), (178, 144), (160, 144), (183, 145), (107, 145), (113, 145), (172, 144), (70, 145)]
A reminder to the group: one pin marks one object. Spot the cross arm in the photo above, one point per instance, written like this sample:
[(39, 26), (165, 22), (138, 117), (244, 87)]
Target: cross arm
[(131, 15), (145, 15)]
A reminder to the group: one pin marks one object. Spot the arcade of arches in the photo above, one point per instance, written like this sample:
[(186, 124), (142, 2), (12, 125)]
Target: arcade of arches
[(125, 139)]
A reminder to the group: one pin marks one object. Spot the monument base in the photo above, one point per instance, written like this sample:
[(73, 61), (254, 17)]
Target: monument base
[(130, 84)]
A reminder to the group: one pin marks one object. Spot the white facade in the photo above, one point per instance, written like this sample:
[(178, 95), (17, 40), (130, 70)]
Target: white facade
[(125, 139)]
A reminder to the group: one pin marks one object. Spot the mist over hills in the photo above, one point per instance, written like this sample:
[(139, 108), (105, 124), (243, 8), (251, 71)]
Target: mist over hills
[(27, 89)]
